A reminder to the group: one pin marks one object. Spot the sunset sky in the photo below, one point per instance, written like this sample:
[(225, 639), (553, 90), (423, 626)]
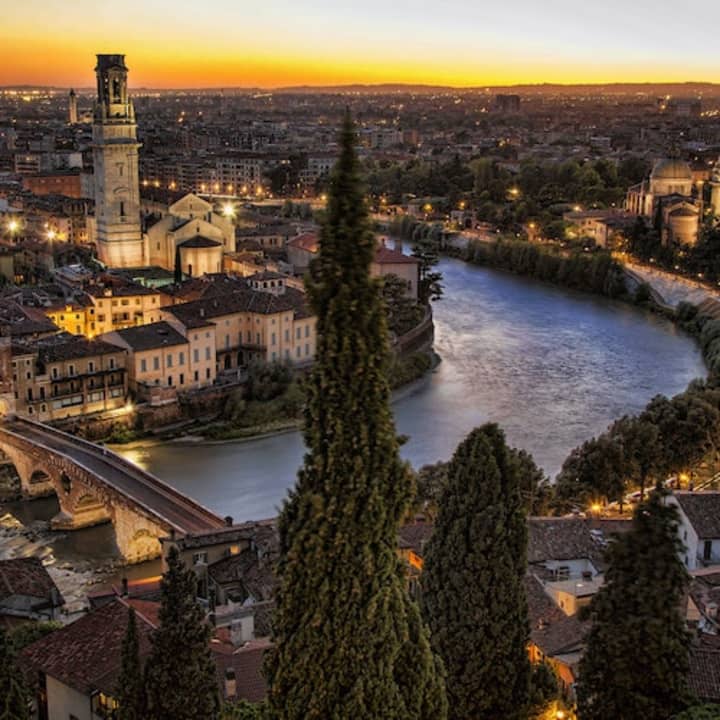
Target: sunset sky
[(234, 43)]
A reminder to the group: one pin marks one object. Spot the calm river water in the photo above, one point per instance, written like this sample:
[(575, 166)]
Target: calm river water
[(552, 367)]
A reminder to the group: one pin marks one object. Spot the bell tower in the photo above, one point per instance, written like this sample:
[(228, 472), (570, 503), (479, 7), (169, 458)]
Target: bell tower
[(118, 233)]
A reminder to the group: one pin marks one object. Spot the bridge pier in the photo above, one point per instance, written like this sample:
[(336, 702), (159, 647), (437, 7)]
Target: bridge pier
[(137, 537), (95, 486)]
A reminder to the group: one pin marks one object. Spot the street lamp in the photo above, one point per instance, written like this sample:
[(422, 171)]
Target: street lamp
[(228, 210)]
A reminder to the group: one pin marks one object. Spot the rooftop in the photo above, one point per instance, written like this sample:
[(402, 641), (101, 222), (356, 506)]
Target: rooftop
[(27, 576), (703, 511), (152, 336)]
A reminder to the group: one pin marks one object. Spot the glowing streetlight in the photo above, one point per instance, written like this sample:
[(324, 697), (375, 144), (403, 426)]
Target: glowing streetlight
[(228, 210), (13, 226), (51, 235)]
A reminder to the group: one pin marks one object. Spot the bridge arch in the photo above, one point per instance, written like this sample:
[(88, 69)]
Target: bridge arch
[(95, 485)]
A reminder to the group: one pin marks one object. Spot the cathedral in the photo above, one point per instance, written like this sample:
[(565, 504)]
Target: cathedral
[(667, 200), (187, 233)]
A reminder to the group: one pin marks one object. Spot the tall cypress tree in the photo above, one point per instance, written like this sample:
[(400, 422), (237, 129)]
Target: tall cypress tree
[(349, 642), (473, 590), (130, 692), (635, 663), (13, 691), (180, 679)]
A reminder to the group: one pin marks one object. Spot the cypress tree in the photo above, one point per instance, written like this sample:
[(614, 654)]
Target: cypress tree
[(130, 692), (180, 672), (635, 663), (13, 691), (473, 590), (349, 642)]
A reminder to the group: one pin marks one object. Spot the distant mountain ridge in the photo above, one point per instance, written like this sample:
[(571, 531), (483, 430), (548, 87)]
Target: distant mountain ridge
[(618, 88)]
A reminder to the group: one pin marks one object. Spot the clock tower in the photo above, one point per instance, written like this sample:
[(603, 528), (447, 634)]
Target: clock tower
[(118, 233)]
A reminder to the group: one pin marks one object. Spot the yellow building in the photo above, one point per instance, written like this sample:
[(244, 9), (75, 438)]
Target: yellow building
[(109, 303), (263, 320), (65, 376), (159, 356)]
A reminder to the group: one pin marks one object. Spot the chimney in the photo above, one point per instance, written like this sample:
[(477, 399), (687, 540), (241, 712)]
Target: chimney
[(125, 591), (230, 683), (228, 520)]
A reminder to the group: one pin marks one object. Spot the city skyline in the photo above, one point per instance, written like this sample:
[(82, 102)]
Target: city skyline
[(463, 46)]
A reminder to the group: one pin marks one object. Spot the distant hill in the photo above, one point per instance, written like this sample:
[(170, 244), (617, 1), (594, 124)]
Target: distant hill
[(653, 89)]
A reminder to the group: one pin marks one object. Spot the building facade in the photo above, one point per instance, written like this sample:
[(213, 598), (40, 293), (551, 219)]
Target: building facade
[(117, 228)]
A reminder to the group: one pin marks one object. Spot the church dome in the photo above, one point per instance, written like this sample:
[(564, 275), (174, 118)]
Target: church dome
[(671, 169)]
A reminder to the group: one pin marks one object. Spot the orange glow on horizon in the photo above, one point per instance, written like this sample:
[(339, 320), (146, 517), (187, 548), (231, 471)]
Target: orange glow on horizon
[(55, 62)]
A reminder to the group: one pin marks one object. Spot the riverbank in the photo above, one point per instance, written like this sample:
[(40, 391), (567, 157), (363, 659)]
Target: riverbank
[(419, 377)]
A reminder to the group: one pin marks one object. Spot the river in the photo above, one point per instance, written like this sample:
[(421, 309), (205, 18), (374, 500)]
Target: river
[(553, 367)]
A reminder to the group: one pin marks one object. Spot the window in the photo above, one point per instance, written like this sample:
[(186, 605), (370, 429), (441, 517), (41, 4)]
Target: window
[(287, 336), (200, 557), (169, 380), (307, 350), (143, 365), (307, 331), (71, 370), (207, 373), (273, 340), (91, 366), (207, 352), (181, 358), (298, 333), (156, 363), (112, 363), (258, 338), (182, 378), (169, 360), (196, 355), (196, 376), (297, 351)]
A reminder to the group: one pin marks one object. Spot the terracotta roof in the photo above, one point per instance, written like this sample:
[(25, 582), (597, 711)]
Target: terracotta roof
[(570, 538), (415, 536), (200, 242), (27, 576), (72, 347), (387, 256), (703, 511), (85, 655), (24, 320), (152, 336), (551, 629), (254, 301), (246, 662), (704, 676), (307, 241)]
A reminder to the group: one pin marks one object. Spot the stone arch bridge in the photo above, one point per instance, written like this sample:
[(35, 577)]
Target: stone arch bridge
[(95, 485)]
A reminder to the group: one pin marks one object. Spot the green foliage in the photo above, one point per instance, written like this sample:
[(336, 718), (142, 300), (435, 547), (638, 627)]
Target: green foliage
[(473, 590), (14, 696), (266, 381), (699, 712), (23, 635), (592, 272), (409, 368), (180, 678), (669, 436), (404, 313), (543, 688), (635, 663), (535, 488), (130, 692), (244, 710), (348, 640)]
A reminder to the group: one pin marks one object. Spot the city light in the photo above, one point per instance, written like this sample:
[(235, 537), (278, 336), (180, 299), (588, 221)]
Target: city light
[(13, 226), (228, 210), (51, 235)]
